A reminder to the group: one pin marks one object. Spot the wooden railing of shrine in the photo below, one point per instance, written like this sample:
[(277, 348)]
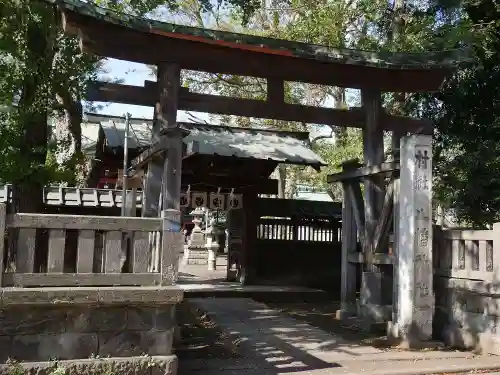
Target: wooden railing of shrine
[(290, 230), (77, 197), (70, 250)]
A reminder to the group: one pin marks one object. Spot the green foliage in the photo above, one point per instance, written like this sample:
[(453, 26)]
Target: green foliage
[(466, 115), (41, 71)]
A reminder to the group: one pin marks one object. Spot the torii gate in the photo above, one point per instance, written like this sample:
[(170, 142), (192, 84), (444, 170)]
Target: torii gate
[(174, 47)]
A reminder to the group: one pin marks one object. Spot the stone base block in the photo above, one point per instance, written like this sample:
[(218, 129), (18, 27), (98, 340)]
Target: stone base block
[(374, 312), (343, 314), (371, 296), (192, 257), (363, 324), (46, 331), (142, 365)]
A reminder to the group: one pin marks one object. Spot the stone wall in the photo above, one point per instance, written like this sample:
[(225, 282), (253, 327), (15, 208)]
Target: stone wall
[(467, 314), (42, 333)]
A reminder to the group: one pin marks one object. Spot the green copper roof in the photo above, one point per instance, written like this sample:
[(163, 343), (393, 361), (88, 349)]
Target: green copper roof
[(421, 61), (245, 143)]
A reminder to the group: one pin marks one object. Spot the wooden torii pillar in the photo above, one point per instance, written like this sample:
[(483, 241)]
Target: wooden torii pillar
[(403, 205), (162, 182), (366, 218)]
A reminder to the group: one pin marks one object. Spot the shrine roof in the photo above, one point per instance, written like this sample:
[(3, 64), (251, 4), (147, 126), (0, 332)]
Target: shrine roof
[(202, 49), (245, 143)]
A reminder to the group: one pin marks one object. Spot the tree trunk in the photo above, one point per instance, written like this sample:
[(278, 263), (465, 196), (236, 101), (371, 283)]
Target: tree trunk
[(68, 134), (32, 106), (281, 181), (340, 103), (291, 182)]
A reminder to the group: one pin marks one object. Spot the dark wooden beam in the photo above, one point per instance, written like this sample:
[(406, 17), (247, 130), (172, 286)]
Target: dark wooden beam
[(353, 190), (382, 227), (208, 55), (188, 101), (226, 183), (275, 90), (373, 154), (363, 172), (169, 77)]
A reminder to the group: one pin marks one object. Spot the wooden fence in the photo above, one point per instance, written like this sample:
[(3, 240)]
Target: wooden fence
[(70, 250), (290, 230)]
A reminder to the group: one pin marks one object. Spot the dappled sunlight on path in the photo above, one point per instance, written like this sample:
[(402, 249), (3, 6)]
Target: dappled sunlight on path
[(270, 342)]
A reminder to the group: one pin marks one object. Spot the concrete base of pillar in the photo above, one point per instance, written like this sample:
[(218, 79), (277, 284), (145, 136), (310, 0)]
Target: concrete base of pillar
[(194, 256), (406, 339)]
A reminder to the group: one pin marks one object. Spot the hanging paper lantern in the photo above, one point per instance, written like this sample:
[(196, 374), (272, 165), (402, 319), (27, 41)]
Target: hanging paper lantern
[(198, 200), (184, 200), (216, 201), (235, 202)]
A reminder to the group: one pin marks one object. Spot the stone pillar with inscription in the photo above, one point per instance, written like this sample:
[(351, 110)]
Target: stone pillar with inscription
[(413, 321)]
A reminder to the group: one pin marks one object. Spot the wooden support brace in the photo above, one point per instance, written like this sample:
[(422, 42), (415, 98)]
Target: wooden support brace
[(383, 169), (356, 198), (385, 219), (275, 91)]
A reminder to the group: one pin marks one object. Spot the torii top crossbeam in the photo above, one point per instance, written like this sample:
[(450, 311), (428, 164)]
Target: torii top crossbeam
[(107, 33)]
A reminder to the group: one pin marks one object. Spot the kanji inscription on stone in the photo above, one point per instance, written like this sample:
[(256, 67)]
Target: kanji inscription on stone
[(414, 260), (423, 237), (422, 214), (422, 158), (422, 183)]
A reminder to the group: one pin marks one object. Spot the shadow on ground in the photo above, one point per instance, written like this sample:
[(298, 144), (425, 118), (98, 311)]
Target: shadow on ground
[(323, 316), (206, 348), (200, 336)]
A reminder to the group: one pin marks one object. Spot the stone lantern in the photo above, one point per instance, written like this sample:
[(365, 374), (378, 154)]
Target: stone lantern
[(194, 250)]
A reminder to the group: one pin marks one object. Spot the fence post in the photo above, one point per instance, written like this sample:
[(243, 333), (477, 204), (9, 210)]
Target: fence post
[(171, 245), (3, 219), (495, 257)]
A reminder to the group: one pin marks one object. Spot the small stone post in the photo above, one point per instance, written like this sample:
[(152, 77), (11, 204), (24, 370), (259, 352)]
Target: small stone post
[(414, 243), (212, 245)]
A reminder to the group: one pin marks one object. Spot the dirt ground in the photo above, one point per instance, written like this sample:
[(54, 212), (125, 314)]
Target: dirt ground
[(202, 339), (200, 336), (323, 316)]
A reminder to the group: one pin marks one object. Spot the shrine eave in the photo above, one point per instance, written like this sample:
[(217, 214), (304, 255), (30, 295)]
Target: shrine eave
[(255, 144), (110, 34)]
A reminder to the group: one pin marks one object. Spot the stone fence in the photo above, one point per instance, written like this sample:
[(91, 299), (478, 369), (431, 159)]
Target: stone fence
[(467, 287), (83, 287)]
